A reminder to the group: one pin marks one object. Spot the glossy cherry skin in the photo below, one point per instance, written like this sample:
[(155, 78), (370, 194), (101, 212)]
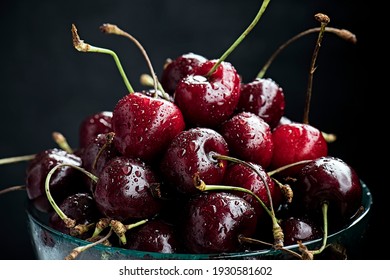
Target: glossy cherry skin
[(123, 190), (96, 154), (249, 138), (144, 126), (300, 229), (207, 102), (63, 182), (294, 142), (93, 125), (177, 69), (263, 97), (331, 180), (190, 155), (213, 222), (80, 207), (154, 236), (239, 175)]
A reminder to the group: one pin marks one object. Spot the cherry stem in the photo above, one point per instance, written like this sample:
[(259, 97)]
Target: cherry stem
[(147, 80), (13, 188), (70, 223), (120, 229), (75, 252), (109, 138), (204, 187), (287, 166), (81, 46), (342, 33), (16, 159), (62, 142), (239, 39), (259, 242), (325, 238), (324, 20), (113, 29)]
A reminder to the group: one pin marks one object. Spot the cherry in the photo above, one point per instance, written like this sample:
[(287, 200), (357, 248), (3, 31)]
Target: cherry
[(93, 125), (332, 181), (301, 229), (249, 138), (154, 236), (242, 176), (65, 180), (213, 222), (144, 126), (178, 68), (263, 97), (207, 102), (96, 154), (80, 207), (294, 142), (123, 190), (188, 155)]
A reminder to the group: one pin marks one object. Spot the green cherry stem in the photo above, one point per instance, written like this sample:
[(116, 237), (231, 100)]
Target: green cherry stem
[(287, 166), (325, 238), (241, 38), (203, 187), (342, 33), (16, 159), (70, 223), (62, 142), (81, 46), (324, 20)]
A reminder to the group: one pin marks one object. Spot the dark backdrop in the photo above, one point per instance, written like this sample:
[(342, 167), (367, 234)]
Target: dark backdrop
[(46, 85)]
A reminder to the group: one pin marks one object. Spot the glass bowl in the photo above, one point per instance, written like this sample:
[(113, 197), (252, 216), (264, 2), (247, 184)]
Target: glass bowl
[(50, 244)]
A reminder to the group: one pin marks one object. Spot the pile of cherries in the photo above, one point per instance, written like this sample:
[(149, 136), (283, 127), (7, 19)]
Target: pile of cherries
[(201, 163)]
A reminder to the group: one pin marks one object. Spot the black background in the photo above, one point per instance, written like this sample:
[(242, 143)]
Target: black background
[(46, 85)]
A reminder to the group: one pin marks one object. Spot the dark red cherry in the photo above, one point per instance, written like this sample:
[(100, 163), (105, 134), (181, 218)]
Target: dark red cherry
[(80, 207), (300, 229), (63, 182), (154, 236), (144, 126), (189, 155), (294, 142), (208, 101), (96, 154), (213, 222), (240, 175), (180, 67), (249, 138), (93, 125), (329, 180), (123, 190), (263, 97)]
